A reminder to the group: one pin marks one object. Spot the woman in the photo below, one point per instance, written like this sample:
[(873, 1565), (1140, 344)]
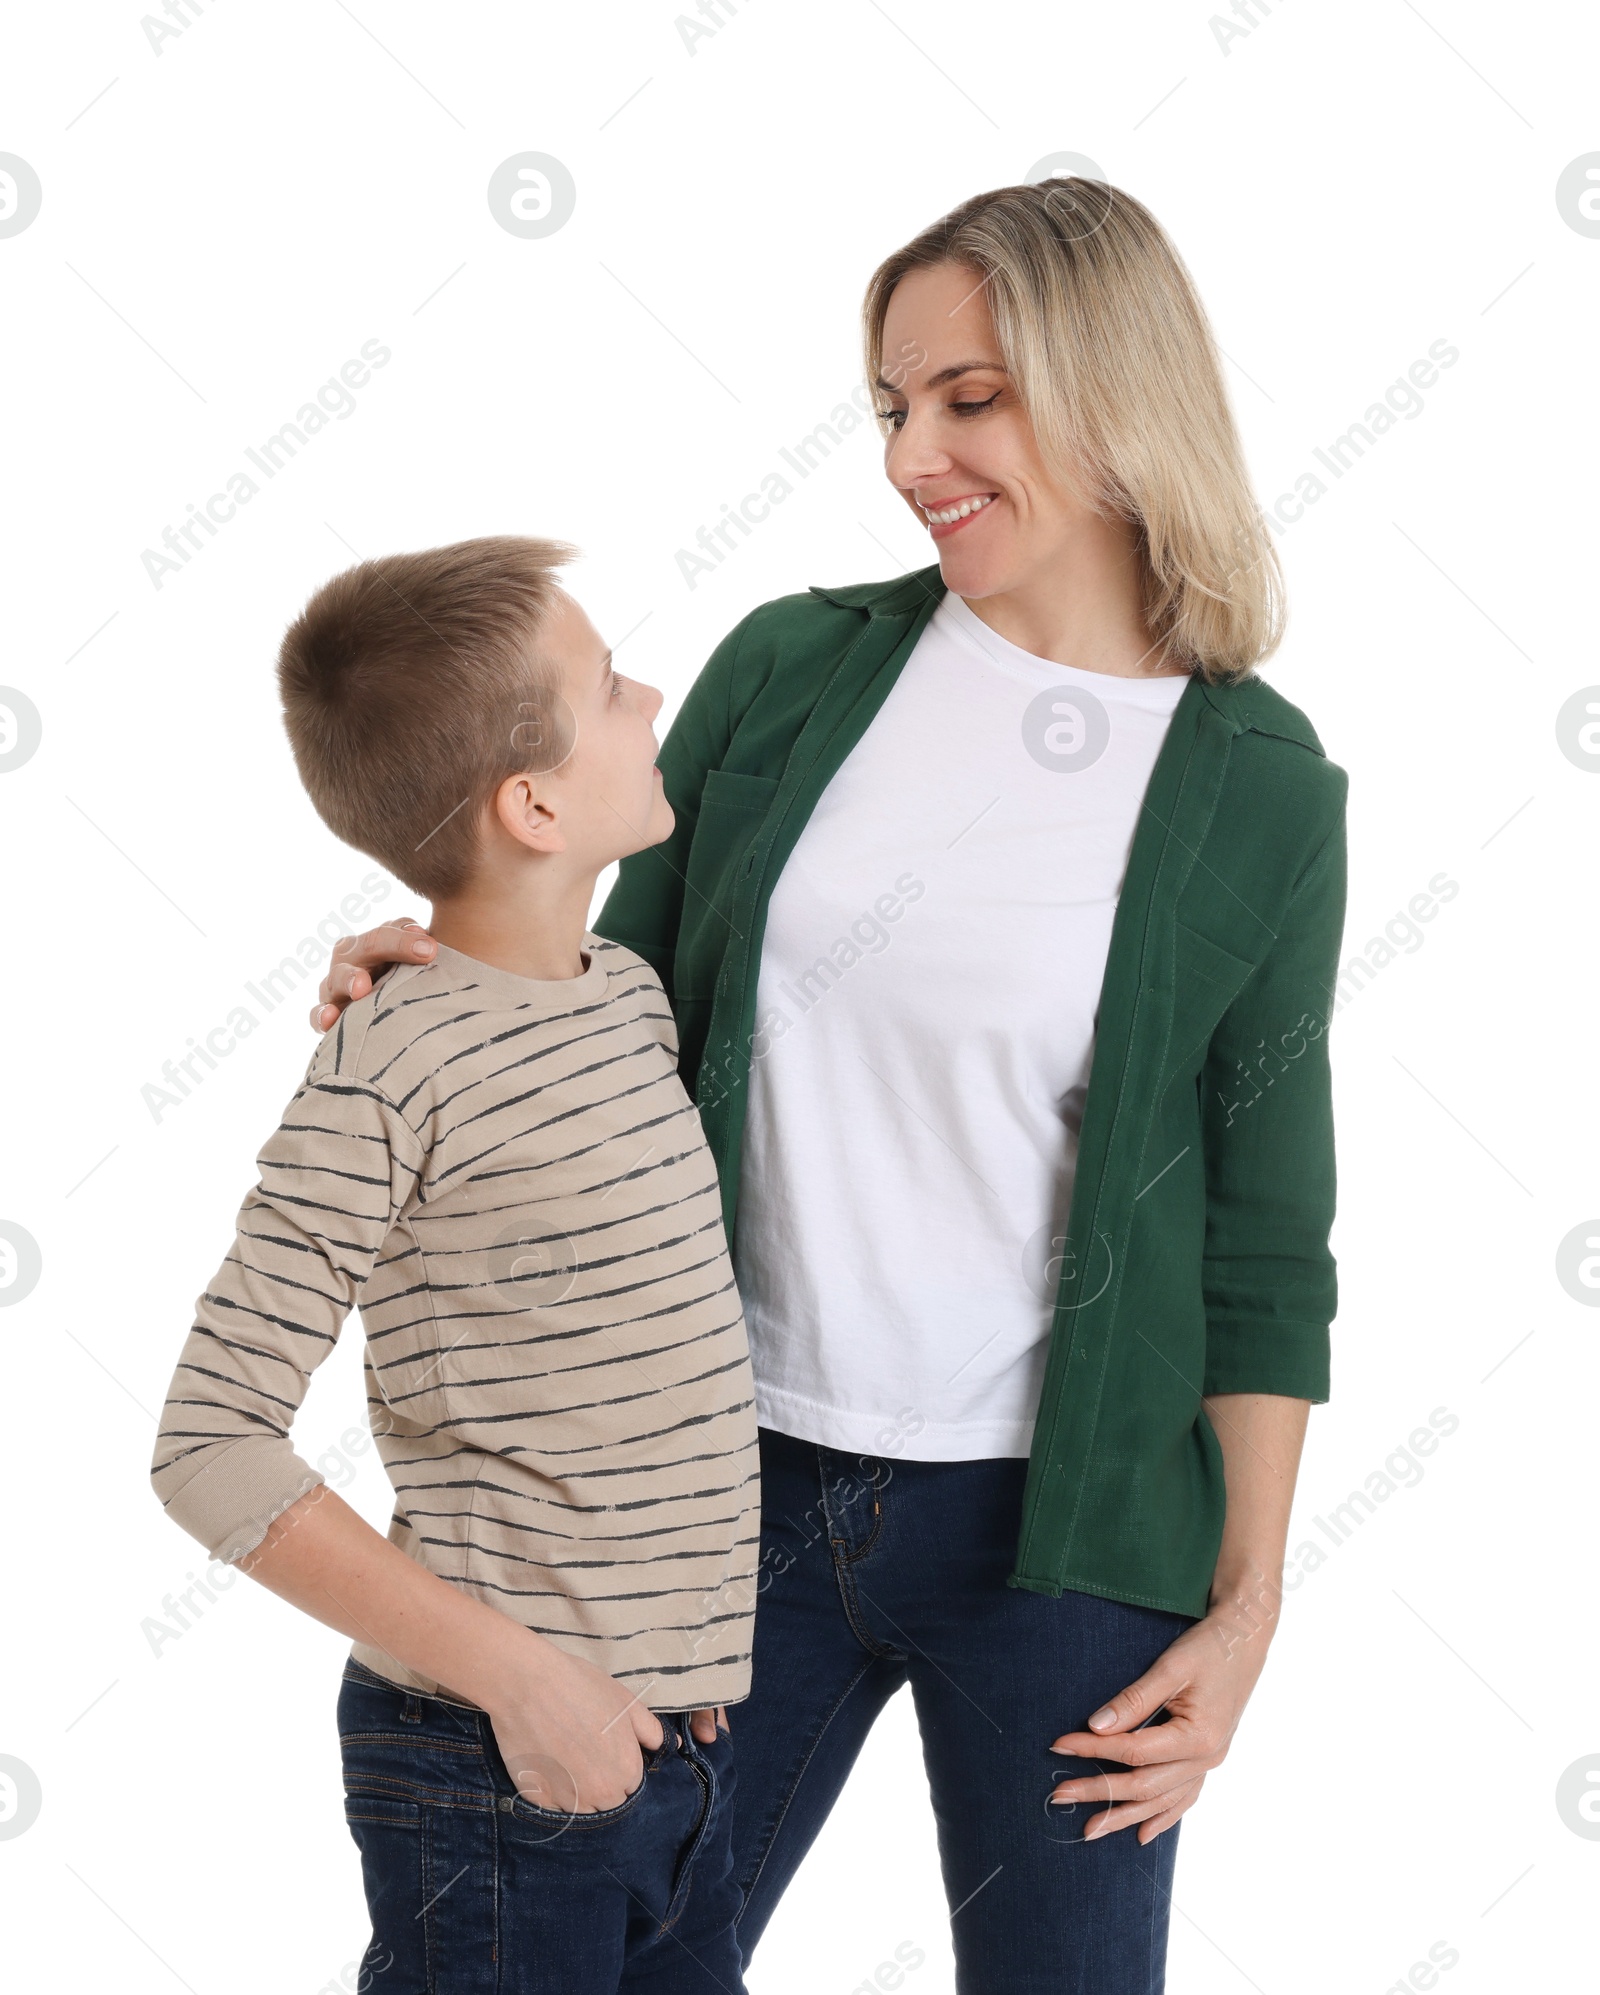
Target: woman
[(1034, 1351)]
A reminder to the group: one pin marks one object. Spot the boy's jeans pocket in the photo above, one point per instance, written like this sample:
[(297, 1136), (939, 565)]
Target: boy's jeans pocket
[(475, 1891)]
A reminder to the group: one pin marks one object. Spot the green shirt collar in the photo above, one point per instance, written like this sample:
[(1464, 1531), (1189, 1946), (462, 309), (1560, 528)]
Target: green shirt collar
[(1248, 705)]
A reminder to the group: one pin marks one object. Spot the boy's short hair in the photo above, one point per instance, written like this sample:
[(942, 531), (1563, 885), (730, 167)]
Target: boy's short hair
[(413, 686)]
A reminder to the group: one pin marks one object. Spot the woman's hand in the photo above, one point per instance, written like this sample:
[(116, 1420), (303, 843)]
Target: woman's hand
[(356, 956), (1204, 1681)]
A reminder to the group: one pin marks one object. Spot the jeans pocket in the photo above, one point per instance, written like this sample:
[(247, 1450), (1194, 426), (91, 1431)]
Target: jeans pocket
[(375, 1808), (402, 1753), (552, 1822), (572, 1818)]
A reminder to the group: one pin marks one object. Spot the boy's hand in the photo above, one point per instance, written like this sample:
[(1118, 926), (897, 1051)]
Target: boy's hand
[(355, 957), (572, 1738), (570, 1735), (706, 1724)]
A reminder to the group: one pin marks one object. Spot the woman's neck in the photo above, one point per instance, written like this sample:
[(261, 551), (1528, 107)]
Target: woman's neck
[(1083, 607)]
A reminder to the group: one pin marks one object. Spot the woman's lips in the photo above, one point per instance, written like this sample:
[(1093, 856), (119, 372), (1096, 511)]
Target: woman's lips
[(942, 529)]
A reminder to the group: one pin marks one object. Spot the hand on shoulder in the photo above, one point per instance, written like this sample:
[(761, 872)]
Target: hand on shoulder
[(357, 958)]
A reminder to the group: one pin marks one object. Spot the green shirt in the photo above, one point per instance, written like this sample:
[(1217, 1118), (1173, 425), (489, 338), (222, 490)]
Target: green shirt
[(1196, 1259)]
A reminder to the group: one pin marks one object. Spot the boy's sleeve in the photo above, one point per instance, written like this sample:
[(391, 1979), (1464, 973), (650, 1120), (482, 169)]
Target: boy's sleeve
[(1269, 1276), (333, 1180)]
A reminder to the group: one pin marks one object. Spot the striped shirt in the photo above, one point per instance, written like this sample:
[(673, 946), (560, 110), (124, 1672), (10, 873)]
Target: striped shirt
[(510, 1180)]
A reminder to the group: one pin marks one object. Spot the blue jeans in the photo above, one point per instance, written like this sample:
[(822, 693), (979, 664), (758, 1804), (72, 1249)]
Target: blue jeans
[(877, 1573), (474, 1891)]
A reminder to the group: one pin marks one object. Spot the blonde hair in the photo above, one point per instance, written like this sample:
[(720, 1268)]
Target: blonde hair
[(1103, 334)]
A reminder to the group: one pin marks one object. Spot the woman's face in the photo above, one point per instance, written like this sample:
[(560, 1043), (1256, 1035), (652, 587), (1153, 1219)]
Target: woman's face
[(959, 435)]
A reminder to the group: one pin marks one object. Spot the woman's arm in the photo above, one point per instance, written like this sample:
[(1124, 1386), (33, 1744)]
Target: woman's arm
[(1268, 1279), (1261, 1437), (1205, 1679)]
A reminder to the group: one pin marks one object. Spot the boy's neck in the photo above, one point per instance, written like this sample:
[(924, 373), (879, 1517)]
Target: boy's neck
[(534, 928)]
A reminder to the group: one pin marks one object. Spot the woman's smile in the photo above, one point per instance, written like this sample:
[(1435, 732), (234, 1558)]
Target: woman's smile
[(948, 516)]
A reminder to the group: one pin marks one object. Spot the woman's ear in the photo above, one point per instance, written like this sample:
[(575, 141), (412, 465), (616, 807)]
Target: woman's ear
[(524, 810)]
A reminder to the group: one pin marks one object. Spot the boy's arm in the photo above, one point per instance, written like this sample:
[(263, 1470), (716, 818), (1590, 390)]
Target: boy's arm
[(569, 1734), (333, 1179)]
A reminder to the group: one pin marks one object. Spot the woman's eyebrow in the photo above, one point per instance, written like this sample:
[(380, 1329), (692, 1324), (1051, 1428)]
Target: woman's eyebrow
[(945, 375)]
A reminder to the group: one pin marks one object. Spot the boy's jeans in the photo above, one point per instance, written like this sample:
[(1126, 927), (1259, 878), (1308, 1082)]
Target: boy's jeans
[(473, 1891)]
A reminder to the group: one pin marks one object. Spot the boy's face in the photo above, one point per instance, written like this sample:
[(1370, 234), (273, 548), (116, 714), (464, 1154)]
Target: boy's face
[(607, 793)]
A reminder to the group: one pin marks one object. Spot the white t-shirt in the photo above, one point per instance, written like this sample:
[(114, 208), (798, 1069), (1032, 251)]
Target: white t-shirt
[(925, 1018)]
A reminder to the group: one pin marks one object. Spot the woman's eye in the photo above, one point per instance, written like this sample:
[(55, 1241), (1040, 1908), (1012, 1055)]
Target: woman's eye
[(616, 687), (895, 418)]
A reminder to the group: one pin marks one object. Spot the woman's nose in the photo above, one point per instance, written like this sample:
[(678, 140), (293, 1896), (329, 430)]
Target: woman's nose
[(914, 458)]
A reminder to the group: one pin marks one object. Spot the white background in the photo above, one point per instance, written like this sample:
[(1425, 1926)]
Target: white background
[(222, 227)]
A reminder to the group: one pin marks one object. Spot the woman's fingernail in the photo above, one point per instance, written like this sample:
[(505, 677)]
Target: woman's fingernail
[(1101, 1719)]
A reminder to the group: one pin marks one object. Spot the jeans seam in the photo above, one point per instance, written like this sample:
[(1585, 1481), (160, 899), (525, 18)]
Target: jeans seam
[(800, 1773), (494, 1916), (844, 1561), (1156, 1973), (384, 1787), (679, 1900), (852, 1552), (863, 1550), (411, 1741), (876, 1650), (428, 1976)]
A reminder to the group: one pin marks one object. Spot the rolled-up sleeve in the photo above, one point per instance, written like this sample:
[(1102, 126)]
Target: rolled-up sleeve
[(333, 1180), (1267, 1120)]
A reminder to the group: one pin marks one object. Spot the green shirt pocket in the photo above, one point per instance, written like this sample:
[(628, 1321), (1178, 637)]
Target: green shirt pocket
[(1206, 980)]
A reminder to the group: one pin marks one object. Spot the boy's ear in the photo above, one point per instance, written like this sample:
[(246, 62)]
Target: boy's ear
[(523, 808)]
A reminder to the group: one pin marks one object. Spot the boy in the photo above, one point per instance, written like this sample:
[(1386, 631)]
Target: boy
[(493, 1153)]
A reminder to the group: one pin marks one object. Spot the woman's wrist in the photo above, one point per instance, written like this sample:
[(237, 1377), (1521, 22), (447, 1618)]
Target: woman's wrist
[(1247, 1596)]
